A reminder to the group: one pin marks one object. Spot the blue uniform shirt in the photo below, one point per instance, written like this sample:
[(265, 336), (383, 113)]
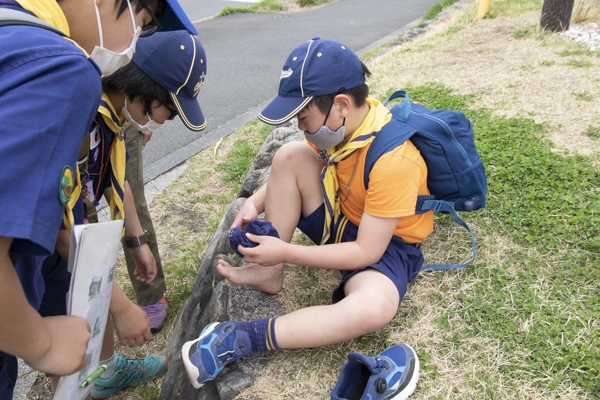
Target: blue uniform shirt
[(49, 94)]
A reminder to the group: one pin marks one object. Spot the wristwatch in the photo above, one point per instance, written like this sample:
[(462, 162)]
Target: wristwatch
[(136, 241)]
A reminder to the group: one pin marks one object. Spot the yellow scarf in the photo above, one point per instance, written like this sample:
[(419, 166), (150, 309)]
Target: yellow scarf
[(48, 11), (117, 157), (377, 117)]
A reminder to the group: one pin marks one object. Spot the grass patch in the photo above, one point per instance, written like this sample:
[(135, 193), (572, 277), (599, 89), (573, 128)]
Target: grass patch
[(583, 96), (437, 8), (593, 132), (579, 63), (239, 159), (308, 3), (544, 314), (263, 6), (527, 31)]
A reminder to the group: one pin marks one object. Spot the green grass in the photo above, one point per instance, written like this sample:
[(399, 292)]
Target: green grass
[(526, 31), (437, 8), (579, 63), (593, 132), (546, 202), (307, 3), (583, 96), (263, 6)]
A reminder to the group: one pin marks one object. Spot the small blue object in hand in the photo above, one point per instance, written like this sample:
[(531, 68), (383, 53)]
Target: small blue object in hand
[(256, 227)]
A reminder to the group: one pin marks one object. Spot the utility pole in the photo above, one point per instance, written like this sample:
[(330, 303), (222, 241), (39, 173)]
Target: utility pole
[(556, 15)]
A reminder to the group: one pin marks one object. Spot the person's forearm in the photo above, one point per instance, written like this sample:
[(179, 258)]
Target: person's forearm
[(133, 227), (118, 300), (258, 198), (22, 330), (340, 256), (62, 244)]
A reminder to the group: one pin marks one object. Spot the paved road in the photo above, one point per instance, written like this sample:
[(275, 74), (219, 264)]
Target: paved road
[(246, 52)]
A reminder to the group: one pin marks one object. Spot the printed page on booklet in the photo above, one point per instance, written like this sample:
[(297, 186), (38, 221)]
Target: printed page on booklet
[(92, 259)]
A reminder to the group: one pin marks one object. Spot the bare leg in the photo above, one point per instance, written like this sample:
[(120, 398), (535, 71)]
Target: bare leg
[(294, 177), (108, 342), (371, 302)]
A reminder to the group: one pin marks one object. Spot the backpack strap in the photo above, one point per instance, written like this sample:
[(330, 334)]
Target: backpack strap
[(392, 135), (10, 16)]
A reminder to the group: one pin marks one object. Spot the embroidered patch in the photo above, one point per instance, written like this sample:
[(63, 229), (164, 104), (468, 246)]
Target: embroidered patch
[(66, 185), (286, 73)]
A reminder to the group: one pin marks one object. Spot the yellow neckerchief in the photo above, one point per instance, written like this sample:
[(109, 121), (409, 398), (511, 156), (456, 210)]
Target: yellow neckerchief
[(117, 157), (377, 117), (48, 11), (68, 219)]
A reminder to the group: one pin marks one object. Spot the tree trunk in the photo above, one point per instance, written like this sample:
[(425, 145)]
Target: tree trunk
[(556, 15)]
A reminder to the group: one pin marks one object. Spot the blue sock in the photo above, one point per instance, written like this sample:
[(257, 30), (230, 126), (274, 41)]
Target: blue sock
[(261, 333)]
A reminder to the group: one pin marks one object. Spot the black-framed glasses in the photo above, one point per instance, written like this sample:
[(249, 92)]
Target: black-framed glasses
[(153, 26)]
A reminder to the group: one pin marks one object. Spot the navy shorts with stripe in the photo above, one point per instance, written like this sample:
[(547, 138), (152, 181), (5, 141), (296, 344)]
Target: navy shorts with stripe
[(401, 262)]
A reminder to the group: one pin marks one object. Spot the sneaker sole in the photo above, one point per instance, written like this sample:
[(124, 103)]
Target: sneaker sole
[(412, 384), (190, 368)]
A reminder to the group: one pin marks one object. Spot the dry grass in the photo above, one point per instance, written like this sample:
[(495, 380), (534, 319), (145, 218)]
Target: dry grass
[(514, 77)]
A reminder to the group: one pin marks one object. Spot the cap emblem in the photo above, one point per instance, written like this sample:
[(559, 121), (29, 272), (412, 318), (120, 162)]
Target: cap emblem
[(286, 73), (199, 84)]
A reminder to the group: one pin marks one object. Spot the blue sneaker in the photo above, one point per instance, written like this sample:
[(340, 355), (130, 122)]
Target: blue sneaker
[(218, 345), (392, 374), (129, 372)]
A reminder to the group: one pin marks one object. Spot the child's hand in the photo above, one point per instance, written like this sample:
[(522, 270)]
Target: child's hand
[(132, 326), (69, 336), (270, 250), (145, 264), (246, 214)]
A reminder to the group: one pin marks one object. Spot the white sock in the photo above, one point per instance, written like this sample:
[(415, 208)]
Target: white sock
[(110, 363)]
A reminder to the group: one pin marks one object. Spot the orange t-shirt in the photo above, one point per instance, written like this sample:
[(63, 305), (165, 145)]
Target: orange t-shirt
[(395, 181)]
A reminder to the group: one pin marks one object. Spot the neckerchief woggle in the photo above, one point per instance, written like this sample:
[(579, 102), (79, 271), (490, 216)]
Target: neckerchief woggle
[(377, 117)]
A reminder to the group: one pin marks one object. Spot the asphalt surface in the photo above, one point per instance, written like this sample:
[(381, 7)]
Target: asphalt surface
[(245, 53)]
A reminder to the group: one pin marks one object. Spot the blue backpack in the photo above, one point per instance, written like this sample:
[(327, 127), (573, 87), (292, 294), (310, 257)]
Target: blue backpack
[(455, 177)]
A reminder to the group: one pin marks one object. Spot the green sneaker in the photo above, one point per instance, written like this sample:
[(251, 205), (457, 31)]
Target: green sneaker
[(130, 372)]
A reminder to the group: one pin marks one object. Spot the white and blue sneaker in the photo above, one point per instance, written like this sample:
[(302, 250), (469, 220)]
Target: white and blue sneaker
[(392, 374), (218, 345)]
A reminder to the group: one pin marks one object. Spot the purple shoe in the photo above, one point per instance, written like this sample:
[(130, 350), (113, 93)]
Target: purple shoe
[(157, 314)]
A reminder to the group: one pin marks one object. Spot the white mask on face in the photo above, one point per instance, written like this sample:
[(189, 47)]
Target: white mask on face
[(149, 126), (108, 60)]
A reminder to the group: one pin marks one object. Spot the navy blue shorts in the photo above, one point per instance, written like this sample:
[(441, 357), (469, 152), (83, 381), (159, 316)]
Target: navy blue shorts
[(401, 262), (9, 369)]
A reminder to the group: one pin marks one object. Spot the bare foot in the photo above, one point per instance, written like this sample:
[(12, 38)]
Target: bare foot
[(265, 279)]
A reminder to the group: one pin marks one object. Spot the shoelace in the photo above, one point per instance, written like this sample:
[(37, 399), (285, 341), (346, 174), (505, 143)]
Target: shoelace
[(132, 364)]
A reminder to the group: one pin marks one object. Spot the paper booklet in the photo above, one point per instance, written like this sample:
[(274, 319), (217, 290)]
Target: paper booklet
[(92, 259)]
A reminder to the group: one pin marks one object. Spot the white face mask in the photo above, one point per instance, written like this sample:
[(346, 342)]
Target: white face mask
[(108, 60), (149, 126)]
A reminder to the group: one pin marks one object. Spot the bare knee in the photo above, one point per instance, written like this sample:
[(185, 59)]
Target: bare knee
[(373, 315), (294, 154)]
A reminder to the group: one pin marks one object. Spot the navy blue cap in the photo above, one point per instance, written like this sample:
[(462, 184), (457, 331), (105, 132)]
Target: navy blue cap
[(175, 19), (176, 60), (315, 68)]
